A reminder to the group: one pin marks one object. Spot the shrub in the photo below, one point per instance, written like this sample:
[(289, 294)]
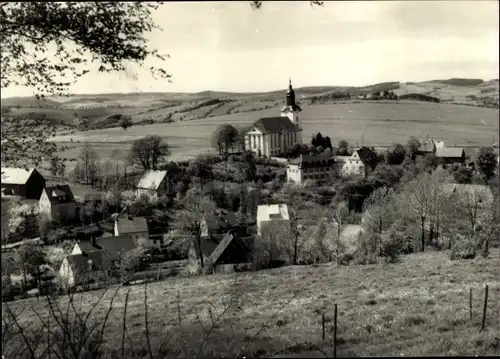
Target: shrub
[(366, 249), (463, 247), (391, 246)]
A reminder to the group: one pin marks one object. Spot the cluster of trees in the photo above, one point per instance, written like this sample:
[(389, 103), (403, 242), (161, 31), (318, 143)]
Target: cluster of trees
[(419, 97), (320, 141)]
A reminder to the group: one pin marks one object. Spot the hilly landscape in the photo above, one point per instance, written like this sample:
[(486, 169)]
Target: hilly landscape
[(462, 112), (97, 111)]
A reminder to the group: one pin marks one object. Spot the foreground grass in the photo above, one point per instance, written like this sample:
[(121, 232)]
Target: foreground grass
[(417, 307)]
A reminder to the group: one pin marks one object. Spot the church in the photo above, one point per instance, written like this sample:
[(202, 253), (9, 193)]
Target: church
[(271, 136)]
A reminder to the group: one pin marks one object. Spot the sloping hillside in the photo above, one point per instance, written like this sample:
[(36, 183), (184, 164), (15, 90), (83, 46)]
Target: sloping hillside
[(418, 307)]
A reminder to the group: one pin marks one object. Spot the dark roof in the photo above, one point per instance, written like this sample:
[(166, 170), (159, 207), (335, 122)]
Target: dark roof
[(230, 243), (366, 154), (87, 247), (311, 159), (113, 246), (59, 194), (275, 124), (79, 263), (132, 225), (221, 219)]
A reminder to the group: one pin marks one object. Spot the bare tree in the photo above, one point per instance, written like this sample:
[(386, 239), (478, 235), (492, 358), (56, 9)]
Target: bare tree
[(273, 245), (378, 212), (339, 216), (436, 202), (474, 200), (89, 158), (195, 208), (149, 151), (417, 195)]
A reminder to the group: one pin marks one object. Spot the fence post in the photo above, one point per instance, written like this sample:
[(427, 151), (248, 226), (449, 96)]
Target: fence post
[(335, 332), (470, 303), (485, 307), (323, 325)]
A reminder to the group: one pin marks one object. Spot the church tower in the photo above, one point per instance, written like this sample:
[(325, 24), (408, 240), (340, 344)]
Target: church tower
[(291, 109)]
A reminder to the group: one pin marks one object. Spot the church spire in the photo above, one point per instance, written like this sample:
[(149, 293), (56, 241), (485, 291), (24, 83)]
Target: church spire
[(290, 96)]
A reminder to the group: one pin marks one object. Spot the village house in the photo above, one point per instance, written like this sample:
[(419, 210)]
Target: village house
[(267, 213), (57, 203), (136, 227), (153, 183), (94, 260), (225, 253), (24, 183), (271, 136), (358, 162), (218, 222), (305, 167), (429, 147), (78, 269), (450, 155)]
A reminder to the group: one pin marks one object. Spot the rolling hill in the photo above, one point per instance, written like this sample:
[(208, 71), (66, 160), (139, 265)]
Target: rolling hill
[(93, 111)]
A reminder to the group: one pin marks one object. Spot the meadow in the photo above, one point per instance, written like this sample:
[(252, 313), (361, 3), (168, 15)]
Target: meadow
[(418, 307), (368, 123)]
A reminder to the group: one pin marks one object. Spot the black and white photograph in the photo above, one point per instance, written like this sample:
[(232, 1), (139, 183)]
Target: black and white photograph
[(250, 179)]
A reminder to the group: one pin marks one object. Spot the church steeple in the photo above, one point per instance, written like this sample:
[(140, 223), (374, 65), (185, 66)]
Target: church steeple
[(290, 95)]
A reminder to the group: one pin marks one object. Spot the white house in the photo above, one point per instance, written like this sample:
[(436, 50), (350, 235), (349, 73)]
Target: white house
[(153, 182), (356, 164), (57, 203), (271, 136), (319, 168), (271, 212)]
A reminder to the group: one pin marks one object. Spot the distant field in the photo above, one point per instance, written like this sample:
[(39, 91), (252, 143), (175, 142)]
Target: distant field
[(376, 124), (419, 307)]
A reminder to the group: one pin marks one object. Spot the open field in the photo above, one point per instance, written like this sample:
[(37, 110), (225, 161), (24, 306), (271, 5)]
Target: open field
[(376, 124), (418, 307)]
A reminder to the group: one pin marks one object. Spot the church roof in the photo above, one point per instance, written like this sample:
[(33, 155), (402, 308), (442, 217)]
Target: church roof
[(275, 124)]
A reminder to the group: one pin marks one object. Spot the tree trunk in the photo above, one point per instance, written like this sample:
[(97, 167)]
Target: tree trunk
[(200, 253), (295, 245), (423, 234)]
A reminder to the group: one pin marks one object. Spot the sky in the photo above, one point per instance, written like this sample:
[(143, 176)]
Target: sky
[(228, 46)]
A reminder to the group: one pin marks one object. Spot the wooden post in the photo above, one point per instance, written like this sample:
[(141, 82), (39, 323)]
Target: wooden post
[(485, 307), (335, 332), (323, 325), (470, 303)]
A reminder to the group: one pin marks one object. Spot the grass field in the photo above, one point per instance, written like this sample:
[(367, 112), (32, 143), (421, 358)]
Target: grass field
[(376, 124), (418, 307)]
